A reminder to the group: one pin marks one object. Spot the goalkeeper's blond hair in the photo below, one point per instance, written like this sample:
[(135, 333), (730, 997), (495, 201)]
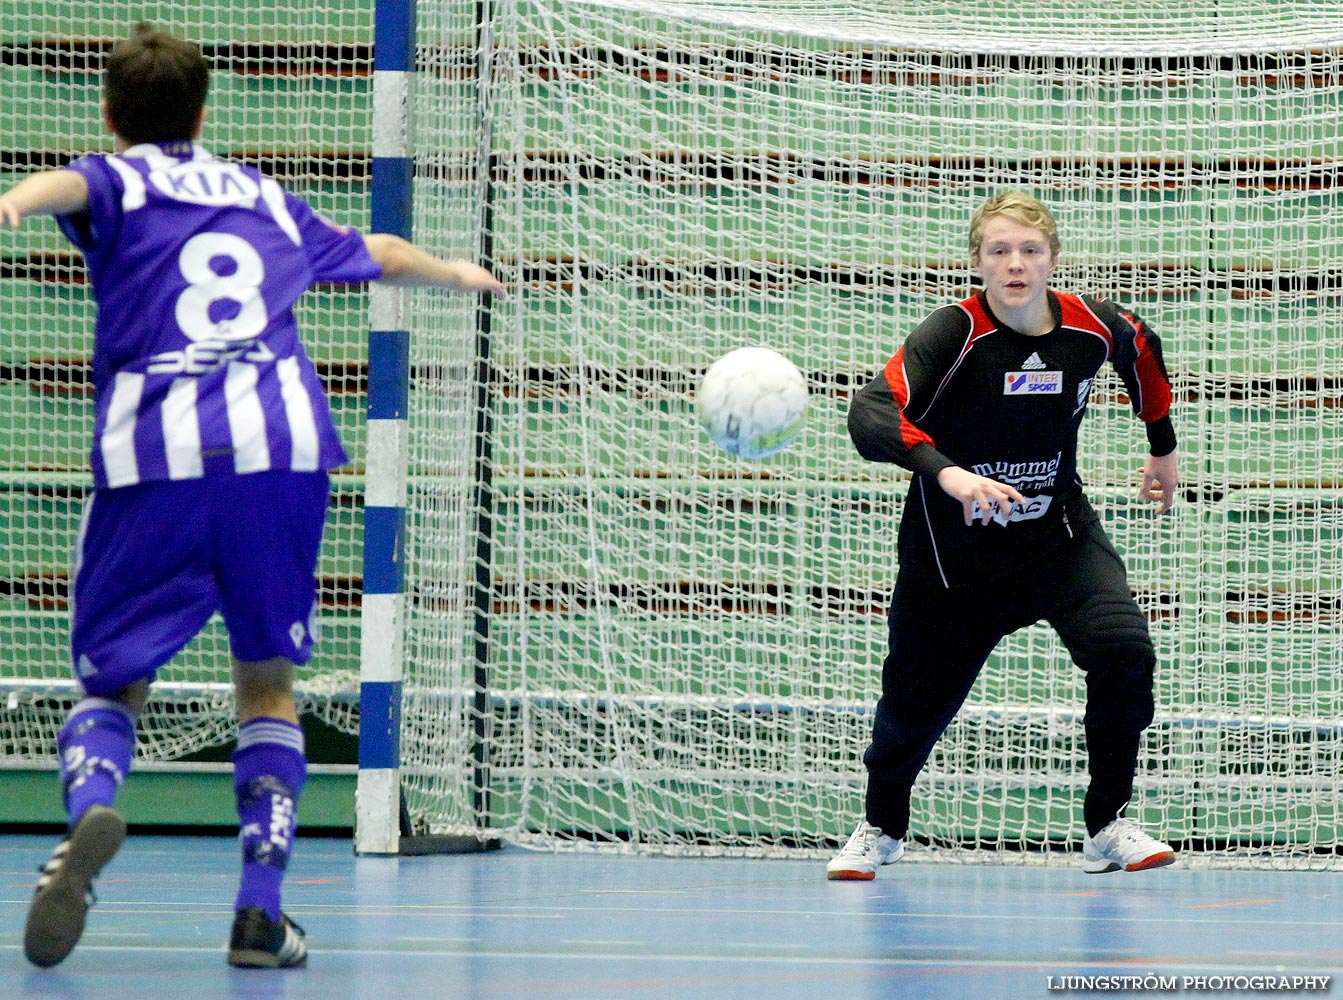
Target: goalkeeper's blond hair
[(1019, 207)]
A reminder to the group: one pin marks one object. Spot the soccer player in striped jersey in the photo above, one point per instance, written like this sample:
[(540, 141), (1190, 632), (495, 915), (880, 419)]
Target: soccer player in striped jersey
[(211, 451), (983, 403)]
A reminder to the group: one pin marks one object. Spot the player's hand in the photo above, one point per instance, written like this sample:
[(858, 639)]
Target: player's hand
[(474, 278), (1160, 480), (972, 490), (10, 216)]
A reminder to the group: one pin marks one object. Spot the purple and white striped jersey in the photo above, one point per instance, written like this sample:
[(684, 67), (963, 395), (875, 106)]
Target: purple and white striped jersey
[(196, 264)]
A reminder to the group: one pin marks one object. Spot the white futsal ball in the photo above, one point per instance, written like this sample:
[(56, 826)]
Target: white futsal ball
[(752, 402)]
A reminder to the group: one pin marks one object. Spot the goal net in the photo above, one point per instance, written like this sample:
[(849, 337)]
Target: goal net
[(615, 634), (681, 650)]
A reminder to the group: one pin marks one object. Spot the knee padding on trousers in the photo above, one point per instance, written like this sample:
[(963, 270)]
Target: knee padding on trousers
[(1111, 632), (1111, 643)]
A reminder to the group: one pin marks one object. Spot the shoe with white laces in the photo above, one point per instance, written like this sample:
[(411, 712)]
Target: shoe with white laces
[(1123, 845), (65, 890), (867, 850)]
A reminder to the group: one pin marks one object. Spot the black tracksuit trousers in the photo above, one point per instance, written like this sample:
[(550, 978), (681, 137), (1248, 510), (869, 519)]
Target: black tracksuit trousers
[(940, 638)]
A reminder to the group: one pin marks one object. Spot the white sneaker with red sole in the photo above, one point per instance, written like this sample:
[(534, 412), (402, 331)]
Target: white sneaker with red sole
[(1123, 846), (867, 850)]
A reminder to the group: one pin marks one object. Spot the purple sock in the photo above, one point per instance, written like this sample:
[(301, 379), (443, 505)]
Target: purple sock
[(96, 745), (269, 768)]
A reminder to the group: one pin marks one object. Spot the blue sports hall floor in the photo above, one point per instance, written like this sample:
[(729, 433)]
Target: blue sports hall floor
[(521, 924)]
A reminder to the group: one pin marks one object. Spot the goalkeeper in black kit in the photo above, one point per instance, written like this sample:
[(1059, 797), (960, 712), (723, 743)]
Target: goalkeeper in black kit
[(983, 404)]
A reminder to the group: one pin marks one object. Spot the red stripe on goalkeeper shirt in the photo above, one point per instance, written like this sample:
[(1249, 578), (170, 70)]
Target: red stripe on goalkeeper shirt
[(1155, 387), (895, 378)]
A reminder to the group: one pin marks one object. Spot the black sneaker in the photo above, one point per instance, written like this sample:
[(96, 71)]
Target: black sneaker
[(65, 890), (258, 942)]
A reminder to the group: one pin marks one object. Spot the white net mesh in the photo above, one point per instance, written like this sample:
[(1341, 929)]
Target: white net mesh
[(1125, 28), (290, 92), (683, 649)]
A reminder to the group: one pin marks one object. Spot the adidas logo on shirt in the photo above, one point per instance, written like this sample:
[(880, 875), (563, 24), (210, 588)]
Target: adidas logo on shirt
[(1033, 363)]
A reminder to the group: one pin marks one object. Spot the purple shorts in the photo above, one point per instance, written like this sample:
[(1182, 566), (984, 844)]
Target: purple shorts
[(154, 561)]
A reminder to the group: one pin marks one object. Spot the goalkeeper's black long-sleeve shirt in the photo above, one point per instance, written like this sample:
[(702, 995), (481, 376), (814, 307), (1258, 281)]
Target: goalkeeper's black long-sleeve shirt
[(967, 390)]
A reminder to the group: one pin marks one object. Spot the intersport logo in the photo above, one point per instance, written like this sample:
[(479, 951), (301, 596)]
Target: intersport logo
[(1032, 383)]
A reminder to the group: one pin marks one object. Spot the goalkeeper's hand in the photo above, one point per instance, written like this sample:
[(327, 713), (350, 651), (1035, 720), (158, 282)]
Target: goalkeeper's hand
[(1160, 480), (979, 496)]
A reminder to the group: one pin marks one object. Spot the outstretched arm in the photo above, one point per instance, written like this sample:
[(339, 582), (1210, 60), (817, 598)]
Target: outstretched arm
[(52, 192), (407, 265)]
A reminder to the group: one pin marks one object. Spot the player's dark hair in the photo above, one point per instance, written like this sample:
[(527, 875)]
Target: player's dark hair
[(155, 86)]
